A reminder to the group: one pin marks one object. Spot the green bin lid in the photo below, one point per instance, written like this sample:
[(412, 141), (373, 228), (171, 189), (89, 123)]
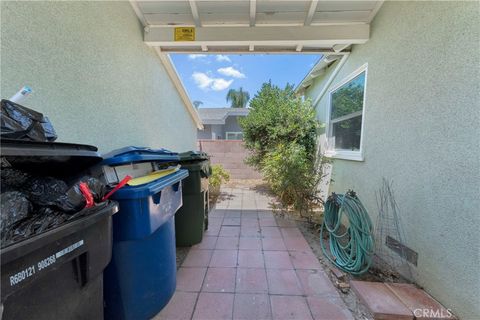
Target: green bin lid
[(193, 155)]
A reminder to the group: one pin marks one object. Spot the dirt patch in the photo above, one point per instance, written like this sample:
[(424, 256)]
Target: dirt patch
[(245, 183)]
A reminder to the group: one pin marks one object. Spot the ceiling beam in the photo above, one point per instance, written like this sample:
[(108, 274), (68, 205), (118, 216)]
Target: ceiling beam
[(311, 12), (253, 12), (375, 9), (311, 36), (236, 50), (289, 24), (138, 12), (196, 16), (340, 47)]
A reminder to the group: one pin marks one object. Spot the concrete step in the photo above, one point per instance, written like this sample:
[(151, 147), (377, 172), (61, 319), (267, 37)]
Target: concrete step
[(380, 301), (398, 301), (420, 303)]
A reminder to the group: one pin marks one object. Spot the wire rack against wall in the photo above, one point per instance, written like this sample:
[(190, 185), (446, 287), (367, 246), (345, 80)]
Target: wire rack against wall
[(391, 250)]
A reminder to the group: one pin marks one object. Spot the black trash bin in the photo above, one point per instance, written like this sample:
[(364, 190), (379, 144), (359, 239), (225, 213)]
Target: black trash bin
[(192, 218), (57, 274)]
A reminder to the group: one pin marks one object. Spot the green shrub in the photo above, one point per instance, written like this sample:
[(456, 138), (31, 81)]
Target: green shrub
[(218, 177), (276, 117), (281, 132), (294, 177)]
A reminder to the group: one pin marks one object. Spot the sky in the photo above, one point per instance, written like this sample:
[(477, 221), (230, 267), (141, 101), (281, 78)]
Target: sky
[(208, 78)]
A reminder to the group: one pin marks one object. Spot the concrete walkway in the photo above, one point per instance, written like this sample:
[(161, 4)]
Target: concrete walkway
[(251, 265)]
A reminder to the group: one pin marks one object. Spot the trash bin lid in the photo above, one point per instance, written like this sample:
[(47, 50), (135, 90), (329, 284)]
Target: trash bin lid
[(193, 155), (54, 158), (148, 189), (138, 154)]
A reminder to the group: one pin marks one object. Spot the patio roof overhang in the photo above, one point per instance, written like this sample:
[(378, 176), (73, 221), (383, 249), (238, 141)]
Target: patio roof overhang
[(252, 26)]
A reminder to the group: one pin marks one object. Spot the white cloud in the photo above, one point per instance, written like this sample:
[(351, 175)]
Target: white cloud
[(203, 81), (231, 72), (223, 58), (221, 84), (196, 56)]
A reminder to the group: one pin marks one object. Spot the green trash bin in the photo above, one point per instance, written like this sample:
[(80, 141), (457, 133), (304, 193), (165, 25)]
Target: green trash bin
[(192, 218)]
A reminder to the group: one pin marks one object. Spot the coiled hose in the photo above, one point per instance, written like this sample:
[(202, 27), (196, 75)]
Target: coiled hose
[(351, 250)]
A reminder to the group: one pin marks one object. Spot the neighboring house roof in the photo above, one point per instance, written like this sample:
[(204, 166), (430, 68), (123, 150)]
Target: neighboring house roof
[(219, 115)]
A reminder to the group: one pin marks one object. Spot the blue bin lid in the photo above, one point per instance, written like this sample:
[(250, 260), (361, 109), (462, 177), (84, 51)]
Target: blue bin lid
[(149, 189), (138, 154)]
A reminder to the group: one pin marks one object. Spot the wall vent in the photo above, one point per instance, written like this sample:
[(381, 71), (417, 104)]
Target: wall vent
[(402, 250)]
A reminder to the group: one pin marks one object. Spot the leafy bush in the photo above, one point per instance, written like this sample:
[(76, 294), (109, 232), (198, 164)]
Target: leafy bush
[(218, 177), (294, 178), (281, 132), (276, 117)]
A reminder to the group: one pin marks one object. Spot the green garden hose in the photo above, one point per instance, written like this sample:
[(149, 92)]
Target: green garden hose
[(351, 247)]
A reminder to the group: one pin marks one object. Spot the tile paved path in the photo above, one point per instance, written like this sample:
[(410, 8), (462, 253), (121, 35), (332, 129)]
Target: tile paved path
[(251, 265)]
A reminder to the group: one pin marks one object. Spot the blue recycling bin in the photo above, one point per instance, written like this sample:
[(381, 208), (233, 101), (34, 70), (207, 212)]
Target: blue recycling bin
[(141, 277)]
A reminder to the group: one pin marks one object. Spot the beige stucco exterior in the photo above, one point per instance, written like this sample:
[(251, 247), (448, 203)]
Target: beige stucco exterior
[(421, 130), (92, 74)]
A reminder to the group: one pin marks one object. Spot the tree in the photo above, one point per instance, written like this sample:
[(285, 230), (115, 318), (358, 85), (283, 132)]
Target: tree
[(277, 117), (197, 103), (238, 98), (281, 132)]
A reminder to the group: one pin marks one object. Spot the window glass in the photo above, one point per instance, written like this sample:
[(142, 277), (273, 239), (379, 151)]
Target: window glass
[(346, 114), (349, 97), (234, 136), (346, 134)]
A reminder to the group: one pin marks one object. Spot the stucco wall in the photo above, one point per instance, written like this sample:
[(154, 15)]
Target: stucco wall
[(212, 130), (232, 125), (206, 133), (92, 74), (421, 130), (218, 131)]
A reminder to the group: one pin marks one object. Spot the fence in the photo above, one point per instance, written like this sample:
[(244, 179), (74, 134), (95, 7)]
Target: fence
[(231, 155)]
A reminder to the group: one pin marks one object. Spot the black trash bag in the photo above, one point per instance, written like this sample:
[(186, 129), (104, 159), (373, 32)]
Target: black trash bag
[(15, 207), (45, 218), (45, 191), (42, 220), (13, 178), (74, 200), (19, 122)]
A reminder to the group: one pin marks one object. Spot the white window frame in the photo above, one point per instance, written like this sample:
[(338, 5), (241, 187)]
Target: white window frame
[(233, 132), (330, 149)]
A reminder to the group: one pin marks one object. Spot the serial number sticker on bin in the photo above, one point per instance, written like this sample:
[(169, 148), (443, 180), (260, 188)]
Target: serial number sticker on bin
[(42, 264)]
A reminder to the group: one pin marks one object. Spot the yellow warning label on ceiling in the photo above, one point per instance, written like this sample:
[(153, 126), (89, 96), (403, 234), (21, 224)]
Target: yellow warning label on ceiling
[(184, 34)]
